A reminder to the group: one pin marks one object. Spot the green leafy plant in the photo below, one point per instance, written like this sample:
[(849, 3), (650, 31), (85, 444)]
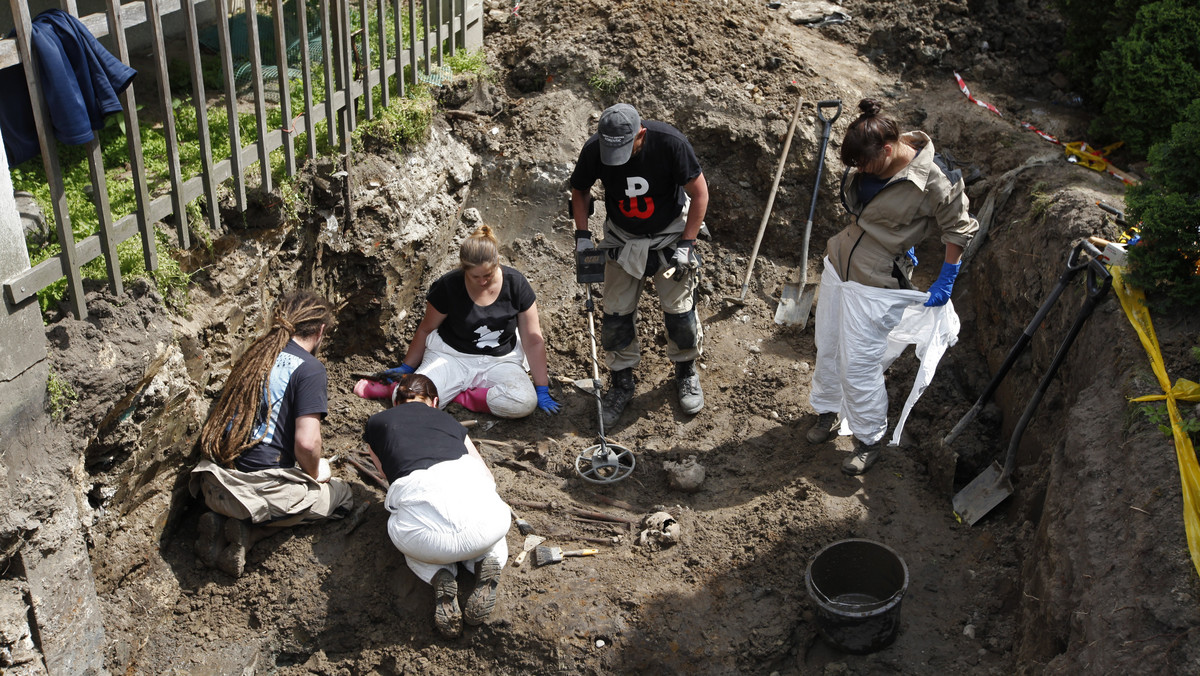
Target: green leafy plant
[(1149, 75), (1157, 414), (606, 81), (1167, 261), (470, 61), (61, 395)]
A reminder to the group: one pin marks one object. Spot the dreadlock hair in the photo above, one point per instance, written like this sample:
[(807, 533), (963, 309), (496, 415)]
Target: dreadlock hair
[(414, 386), (868, 134), (226, 433), (480, 248)]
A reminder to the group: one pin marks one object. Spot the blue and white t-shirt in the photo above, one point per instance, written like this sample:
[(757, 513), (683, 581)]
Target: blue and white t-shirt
[(296, 386)]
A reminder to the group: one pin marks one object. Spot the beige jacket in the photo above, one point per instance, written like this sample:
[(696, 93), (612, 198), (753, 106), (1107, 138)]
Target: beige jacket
[(918, 201)]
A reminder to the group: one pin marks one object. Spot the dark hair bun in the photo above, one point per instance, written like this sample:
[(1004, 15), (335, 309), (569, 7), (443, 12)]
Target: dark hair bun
[(870, 107)]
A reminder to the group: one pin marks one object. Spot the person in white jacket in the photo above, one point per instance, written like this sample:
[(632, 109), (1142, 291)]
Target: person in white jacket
[(443, 502)]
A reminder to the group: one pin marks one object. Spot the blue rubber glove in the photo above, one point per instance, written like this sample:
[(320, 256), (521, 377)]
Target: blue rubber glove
[(939, 293), (545, 401), (912, 255), (395, 374)]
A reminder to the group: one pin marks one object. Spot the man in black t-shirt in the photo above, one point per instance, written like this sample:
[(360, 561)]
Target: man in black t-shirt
[(655, 199)]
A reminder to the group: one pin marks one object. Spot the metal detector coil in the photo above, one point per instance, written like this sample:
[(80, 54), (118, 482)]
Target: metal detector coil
[(605, 463)]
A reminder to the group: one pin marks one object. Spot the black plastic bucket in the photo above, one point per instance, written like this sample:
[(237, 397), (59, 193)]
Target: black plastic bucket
[(857, 586)]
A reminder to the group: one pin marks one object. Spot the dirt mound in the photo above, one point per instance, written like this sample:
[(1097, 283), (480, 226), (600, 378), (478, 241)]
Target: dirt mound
[(1085, 569)]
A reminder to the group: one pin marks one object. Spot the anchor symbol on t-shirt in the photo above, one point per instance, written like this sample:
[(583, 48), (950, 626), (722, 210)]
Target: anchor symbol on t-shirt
[(487, 337)]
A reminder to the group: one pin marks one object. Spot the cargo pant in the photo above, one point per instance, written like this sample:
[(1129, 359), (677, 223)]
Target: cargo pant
[(273, 497), (676, 297)]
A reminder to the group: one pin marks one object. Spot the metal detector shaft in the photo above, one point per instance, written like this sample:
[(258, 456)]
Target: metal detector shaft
[(591, 313)]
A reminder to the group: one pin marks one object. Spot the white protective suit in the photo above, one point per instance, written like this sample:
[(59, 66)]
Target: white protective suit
[(860, 330)]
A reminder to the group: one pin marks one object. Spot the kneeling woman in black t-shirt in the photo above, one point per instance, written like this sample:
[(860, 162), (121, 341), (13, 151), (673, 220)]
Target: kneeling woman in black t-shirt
[(479, 335), (443, 501)]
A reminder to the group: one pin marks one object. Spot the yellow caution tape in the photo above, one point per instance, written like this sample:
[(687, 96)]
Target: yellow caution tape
[(1133, 301)]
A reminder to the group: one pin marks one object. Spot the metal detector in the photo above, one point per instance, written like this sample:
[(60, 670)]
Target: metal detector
[(603, 463)]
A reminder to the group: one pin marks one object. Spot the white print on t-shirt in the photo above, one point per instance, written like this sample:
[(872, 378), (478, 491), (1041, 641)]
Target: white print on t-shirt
[(636, 186), (487, 338)]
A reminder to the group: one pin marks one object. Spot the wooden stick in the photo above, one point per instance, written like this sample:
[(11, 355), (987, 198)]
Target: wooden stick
[(367, 472), (530, 468), (601, 516), (531, 505), (615, 502)]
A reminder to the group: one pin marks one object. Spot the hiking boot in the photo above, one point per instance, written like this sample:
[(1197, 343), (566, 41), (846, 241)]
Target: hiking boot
[(691, 397), (822, 429), (482, 600), (232, 559), (446, 615), (863, 456), (210, 539), (618, 396)]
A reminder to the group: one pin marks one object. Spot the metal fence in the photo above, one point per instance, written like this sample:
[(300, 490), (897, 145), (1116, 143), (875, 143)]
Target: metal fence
[(355, 65)]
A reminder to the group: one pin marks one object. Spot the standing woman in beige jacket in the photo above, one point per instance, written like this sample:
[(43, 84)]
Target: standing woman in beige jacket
[(899, 193)]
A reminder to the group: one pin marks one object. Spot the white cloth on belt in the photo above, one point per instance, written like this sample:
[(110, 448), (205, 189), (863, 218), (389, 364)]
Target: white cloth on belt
[(447, 514), (860, 330)]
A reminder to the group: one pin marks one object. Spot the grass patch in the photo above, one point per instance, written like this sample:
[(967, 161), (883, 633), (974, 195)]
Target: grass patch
[(404, 122), (60, 394), (606, 82), (1041, 202)]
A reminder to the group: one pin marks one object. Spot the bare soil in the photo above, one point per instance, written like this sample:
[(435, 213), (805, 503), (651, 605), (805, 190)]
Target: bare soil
[(1085, 570)]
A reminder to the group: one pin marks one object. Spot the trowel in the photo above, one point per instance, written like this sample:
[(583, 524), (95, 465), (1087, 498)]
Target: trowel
[(531, 541)]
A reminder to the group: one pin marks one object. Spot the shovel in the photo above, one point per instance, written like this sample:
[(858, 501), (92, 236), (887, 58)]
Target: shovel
[(762, 227), (995, 483), (547, 555), (1074, 265), (796, 300), (531, 541)]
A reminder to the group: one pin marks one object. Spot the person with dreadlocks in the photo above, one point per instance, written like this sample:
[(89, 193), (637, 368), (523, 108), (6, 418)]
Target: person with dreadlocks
[(479, 337), (262, 467), (443, 502)]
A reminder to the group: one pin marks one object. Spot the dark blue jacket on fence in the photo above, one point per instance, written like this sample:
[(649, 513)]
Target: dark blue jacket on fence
[(80, 78)]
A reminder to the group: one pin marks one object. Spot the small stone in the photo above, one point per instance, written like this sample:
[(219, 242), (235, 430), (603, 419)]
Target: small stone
[(969, 631)]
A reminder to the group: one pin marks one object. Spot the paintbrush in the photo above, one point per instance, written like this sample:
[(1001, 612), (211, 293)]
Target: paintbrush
[(547, 555)]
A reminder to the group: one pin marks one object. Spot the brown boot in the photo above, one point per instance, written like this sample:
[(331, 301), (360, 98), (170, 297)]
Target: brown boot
[(446, 614), (210, 538), (240, 537), (482, 600)]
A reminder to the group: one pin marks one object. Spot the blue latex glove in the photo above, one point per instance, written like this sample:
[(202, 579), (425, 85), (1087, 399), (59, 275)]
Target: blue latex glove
[(939, 293), (912, 255), (395, 374), (545, 401)]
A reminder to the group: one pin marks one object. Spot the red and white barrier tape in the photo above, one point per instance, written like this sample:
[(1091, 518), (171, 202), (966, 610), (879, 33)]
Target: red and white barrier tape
[(1041, 133), (963, 86)]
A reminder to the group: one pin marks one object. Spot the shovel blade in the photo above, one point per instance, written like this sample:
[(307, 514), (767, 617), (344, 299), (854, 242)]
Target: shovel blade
[(982, 495), (795, 304)]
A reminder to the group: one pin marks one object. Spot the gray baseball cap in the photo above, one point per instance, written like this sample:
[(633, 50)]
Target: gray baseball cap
[(619, 126)]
